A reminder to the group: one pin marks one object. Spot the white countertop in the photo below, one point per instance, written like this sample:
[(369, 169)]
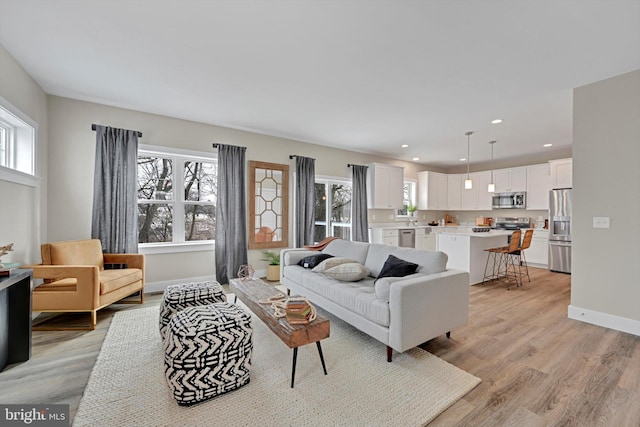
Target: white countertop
[(468, 232)]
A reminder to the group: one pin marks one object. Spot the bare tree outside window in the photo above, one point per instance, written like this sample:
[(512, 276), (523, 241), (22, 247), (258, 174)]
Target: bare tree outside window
[(155, 183), (337, 203), (200, 185)]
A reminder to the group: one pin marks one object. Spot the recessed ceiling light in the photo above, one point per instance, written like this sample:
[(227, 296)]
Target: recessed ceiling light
[(415, 159), (464, 159), (404, 145), (496, 121), (547, 145)]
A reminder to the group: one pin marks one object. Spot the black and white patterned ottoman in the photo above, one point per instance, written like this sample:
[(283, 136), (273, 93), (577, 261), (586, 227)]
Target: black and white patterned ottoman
[(207, 352), (178, 297)]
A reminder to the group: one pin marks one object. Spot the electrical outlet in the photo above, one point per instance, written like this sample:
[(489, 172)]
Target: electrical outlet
[(600, 222), (373, 216), (391, 216)]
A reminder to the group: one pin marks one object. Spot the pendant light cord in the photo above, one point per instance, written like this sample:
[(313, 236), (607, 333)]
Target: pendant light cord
[(468, 141)]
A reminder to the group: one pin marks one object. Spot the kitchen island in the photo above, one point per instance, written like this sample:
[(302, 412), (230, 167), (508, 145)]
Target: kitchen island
[(466, 249)]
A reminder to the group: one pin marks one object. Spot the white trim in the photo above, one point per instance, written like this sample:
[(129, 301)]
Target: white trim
[(606, 320), (15, 176), (170, 248), (157, 149)]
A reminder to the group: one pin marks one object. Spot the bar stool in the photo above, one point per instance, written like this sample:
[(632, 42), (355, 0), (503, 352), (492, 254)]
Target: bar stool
[(511, 257), (500, 265), (526, 242)]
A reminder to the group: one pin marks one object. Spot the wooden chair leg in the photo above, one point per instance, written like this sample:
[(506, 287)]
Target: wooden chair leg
[(42, 325)]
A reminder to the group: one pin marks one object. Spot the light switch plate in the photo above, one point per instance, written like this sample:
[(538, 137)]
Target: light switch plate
[(600, 222)]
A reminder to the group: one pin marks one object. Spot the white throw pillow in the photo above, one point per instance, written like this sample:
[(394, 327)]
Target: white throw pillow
[(348, 272), (330, 263)]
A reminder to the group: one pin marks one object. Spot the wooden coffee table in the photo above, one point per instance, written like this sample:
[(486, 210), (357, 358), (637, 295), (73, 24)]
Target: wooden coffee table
[(252, 291)]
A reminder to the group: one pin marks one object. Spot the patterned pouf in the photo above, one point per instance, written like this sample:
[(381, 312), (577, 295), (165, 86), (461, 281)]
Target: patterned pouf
[(178, 297), (207, 352)]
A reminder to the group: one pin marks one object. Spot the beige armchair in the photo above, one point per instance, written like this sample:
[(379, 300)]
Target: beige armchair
[(75, 279)]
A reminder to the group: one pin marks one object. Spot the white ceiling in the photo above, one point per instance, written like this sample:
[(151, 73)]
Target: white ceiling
[(362, 75)]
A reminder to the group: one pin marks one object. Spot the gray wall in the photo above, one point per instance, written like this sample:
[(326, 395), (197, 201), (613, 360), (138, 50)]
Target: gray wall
[(71, 159), (22, 217), (605, 285)]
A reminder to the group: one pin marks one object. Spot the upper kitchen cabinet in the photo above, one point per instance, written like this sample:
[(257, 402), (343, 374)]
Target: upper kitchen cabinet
[(454, 191), (538, 186), (509, 180), (561, 173), (385, 185), (477, 198), (432, 191)]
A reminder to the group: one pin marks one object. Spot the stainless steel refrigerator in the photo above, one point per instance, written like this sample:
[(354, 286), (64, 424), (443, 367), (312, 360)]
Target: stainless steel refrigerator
[(560, 212)]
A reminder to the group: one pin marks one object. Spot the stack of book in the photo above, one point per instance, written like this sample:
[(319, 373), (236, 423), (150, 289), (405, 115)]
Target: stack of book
[(7, 267), (298, 312)]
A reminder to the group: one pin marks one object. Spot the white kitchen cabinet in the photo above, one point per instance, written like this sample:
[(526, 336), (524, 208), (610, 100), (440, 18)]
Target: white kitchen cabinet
[(538, 253), (384, 236), (454, 191), (510, 180), (426, 242), (561, 173), (476, 198), (432, 191), (538, 186), (385, 185)]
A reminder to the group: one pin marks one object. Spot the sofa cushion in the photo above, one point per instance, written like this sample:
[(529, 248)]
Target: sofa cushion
[(396, 267), (430, 262), (357, 251), (358, 297), (376, 257), (348, 272), (330, 263), (313, 260), (110, 280)]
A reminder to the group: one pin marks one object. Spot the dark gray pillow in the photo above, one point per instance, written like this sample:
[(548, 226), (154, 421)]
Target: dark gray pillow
[(313, 260), (396, 267)]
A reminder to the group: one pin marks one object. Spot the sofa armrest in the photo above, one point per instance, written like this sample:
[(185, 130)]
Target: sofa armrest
[(422, 308), (87, 277)]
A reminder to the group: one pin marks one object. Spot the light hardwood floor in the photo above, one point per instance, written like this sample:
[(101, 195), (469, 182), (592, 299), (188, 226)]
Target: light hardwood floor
[(538, 368)]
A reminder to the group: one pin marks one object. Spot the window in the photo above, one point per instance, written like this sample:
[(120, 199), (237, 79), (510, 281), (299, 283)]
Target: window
[(17, 140), (333, 210), (176, 196), (409, 197)]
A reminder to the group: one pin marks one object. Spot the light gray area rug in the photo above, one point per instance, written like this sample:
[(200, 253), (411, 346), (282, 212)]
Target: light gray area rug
[(127, 386)]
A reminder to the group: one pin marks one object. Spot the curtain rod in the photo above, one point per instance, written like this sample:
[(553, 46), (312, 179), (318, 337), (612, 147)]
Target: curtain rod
[(95, 126), (351, 164), (216, 145), (291, 156)]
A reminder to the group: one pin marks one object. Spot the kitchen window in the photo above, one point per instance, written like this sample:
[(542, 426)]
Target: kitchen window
[(409, 198), (176, 197), (332, 209)]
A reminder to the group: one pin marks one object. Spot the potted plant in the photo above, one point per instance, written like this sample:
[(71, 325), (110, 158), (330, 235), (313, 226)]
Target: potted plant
[(411, 210), (273, 269)]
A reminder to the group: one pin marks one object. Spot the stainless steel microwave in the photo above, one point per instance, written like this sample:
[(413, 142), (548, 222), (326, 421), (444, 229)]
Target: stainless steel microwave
[(515, 200)]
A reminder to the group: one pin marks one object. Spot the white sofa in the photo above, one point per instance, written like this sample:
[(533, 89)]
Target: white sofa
[(400, 312)]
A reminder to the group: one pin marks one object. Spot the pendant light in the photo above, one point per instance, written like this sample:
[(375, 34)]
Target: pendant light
[(468, 184), (491, 188)]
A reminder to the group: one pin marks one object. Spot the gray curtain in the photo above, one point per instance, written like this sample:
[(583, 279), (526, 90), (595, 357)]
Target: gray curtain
[(360, 223), (231, 213), (305, 200), (115, 201)]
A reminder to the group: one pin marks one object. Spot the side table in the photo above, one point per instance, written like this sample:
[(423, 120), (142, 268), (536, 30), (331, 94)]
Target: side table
[(15, 317)]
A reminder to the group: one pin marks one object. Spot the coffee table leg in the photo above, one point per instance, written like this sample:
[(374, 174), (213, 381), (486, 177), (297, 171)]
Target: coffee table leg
[(293, 368), (321, 358)]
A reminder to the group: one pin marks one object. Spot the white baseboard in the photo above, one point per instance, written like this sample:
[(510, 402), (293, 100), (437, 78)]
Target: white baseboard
[(150, 288), (610, 321)]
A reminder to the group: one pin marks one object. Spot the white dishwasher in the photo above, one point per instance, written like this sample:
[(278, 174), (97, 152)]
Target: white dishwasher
[(407, 238)]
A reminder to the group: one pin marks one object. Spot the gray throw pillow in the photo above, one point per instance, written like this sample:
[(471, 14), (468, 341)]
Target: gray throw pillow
[(348, 272)]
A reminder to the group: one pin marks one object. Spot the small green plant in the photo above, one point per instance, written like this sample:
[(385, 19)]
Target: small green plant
[(411, 208), (272, 257)]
